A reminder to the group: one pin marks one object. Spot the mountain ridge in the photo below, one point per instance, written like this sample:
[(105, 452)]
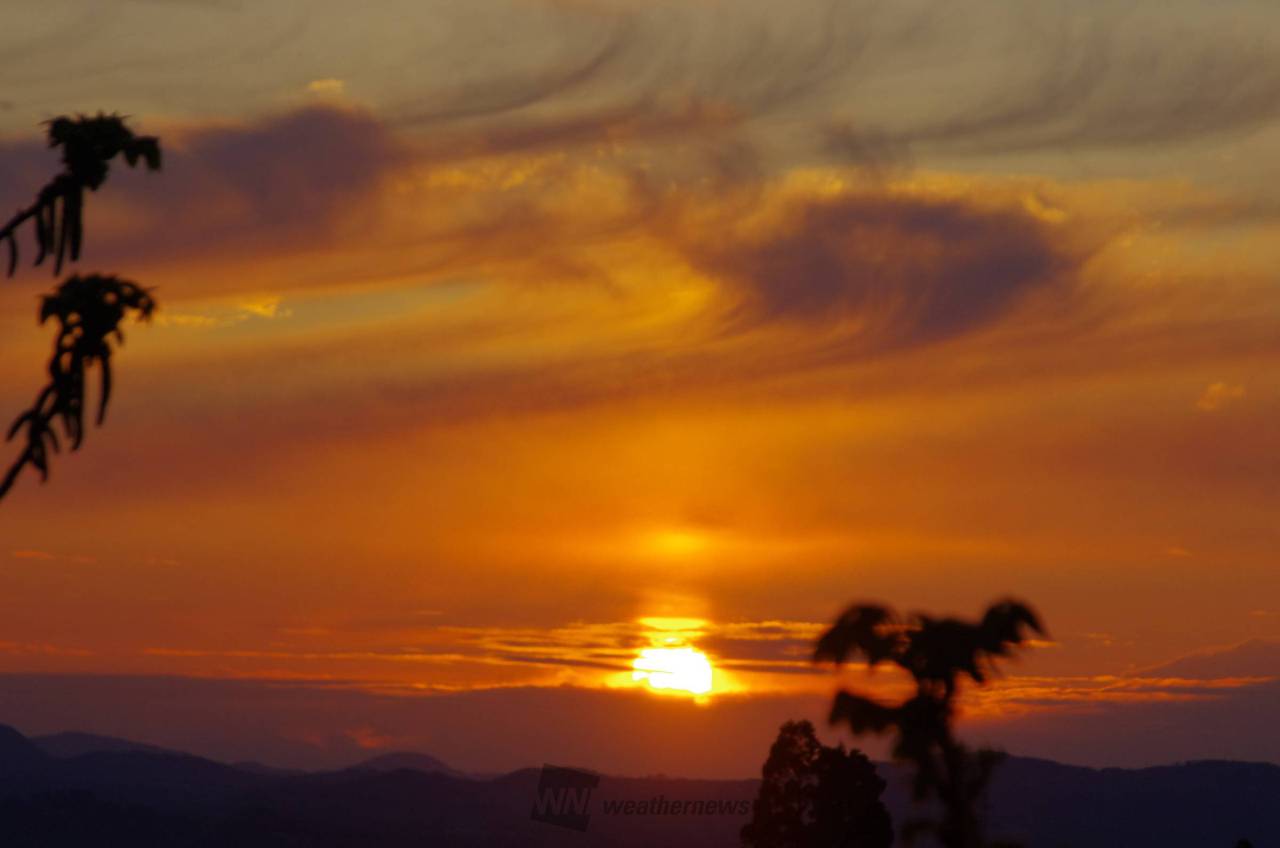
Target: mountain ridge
[(137, 796)]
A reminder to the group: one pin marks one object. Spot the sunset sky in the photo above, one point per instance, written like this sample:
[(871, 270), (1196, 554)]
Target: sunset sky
[(501, 341)]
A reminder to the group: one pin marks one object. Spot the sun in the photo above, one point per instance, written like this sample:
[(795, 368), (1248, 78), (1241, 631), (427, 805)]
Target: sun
[(683, 670)]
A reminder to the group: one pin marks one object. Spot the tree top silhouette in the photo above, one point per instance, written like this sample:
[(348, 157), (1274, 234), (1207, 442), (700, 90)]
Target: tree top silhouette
[(89, 309), (815, 796), (937, 653)]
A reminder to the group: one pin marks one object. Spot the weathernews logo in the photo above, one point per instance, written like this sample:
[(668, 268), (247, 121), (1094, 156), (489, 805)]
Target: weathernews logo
[(564, 799)]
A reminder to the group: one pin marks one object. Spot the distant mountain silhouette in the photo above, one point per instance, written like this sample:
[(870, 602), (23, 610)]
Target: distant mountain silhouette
[(156, 798), (18, 754), (255, 767), (65, 745), (1198, 803), (408, 760)]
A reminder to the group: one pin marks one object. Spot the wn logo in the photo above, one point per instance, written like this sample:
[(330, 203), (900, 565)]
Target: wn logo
[(564, 797)]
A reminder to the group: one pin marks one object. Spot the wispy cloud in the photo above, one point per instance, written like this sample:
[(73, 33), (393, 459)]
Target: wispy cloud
[(42, 649), (1252, 657), (31, 554), (1217, 395), (327, 86), (592, 654), (895, 270)]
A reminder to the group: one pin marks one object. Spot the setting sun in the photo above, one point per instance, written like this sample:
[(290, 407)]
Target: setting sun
[(674, 669)]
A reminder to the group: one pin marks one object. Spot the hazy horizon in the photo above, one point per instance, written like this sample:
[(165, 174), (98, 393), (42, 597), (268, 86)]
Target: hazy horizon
[(316, 725)]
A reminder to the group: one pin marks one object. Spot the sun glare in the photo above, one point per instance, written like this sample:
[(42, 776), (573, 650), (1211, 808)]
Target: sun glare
[(683, 670)]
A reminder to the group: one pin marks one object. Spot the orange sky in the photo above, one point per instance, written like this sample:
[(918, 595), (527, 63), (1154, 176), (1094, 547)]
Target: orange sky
[(488, 339)]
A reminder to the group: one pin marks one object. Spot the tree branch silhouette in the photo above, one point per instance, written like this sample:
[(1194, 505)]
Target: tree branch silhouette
[(89, 309), (88, 146), (936, 653)]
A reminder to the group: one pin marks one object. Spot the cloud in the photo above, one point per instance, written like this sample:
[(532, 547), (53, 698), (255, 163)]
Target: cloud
[(368, 738), (280, 178), (1022, 694), (1209, 704), (1217, 395), (892, 268), (586, 654), (1073, 82), (328, 87), (459, 300), (1227, 722), (1254, 657), (1068, 77), (504, 94), (42, 649), (375, 200), (628, 55), (261, 307), (1061, 75), (267, 185), (32, 554), (870, 148), (647, 121), (895, 271), (455, 281)]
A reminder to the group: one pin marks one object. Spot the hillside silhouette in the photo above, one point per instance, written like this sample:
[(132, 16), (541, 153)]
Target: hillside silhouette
[(140, 797)]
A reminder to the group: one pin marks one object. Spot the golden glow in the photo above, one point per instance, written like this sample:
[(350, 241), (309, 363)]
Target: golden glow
[(677, 543), (684, 670), (668, 628)]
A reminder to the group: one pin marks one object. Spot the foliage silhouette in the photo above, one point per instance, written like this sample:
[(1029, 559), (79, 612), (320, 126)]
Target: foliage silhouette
[(89, 309), (815, 795), (936, 653), (88, 146)]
